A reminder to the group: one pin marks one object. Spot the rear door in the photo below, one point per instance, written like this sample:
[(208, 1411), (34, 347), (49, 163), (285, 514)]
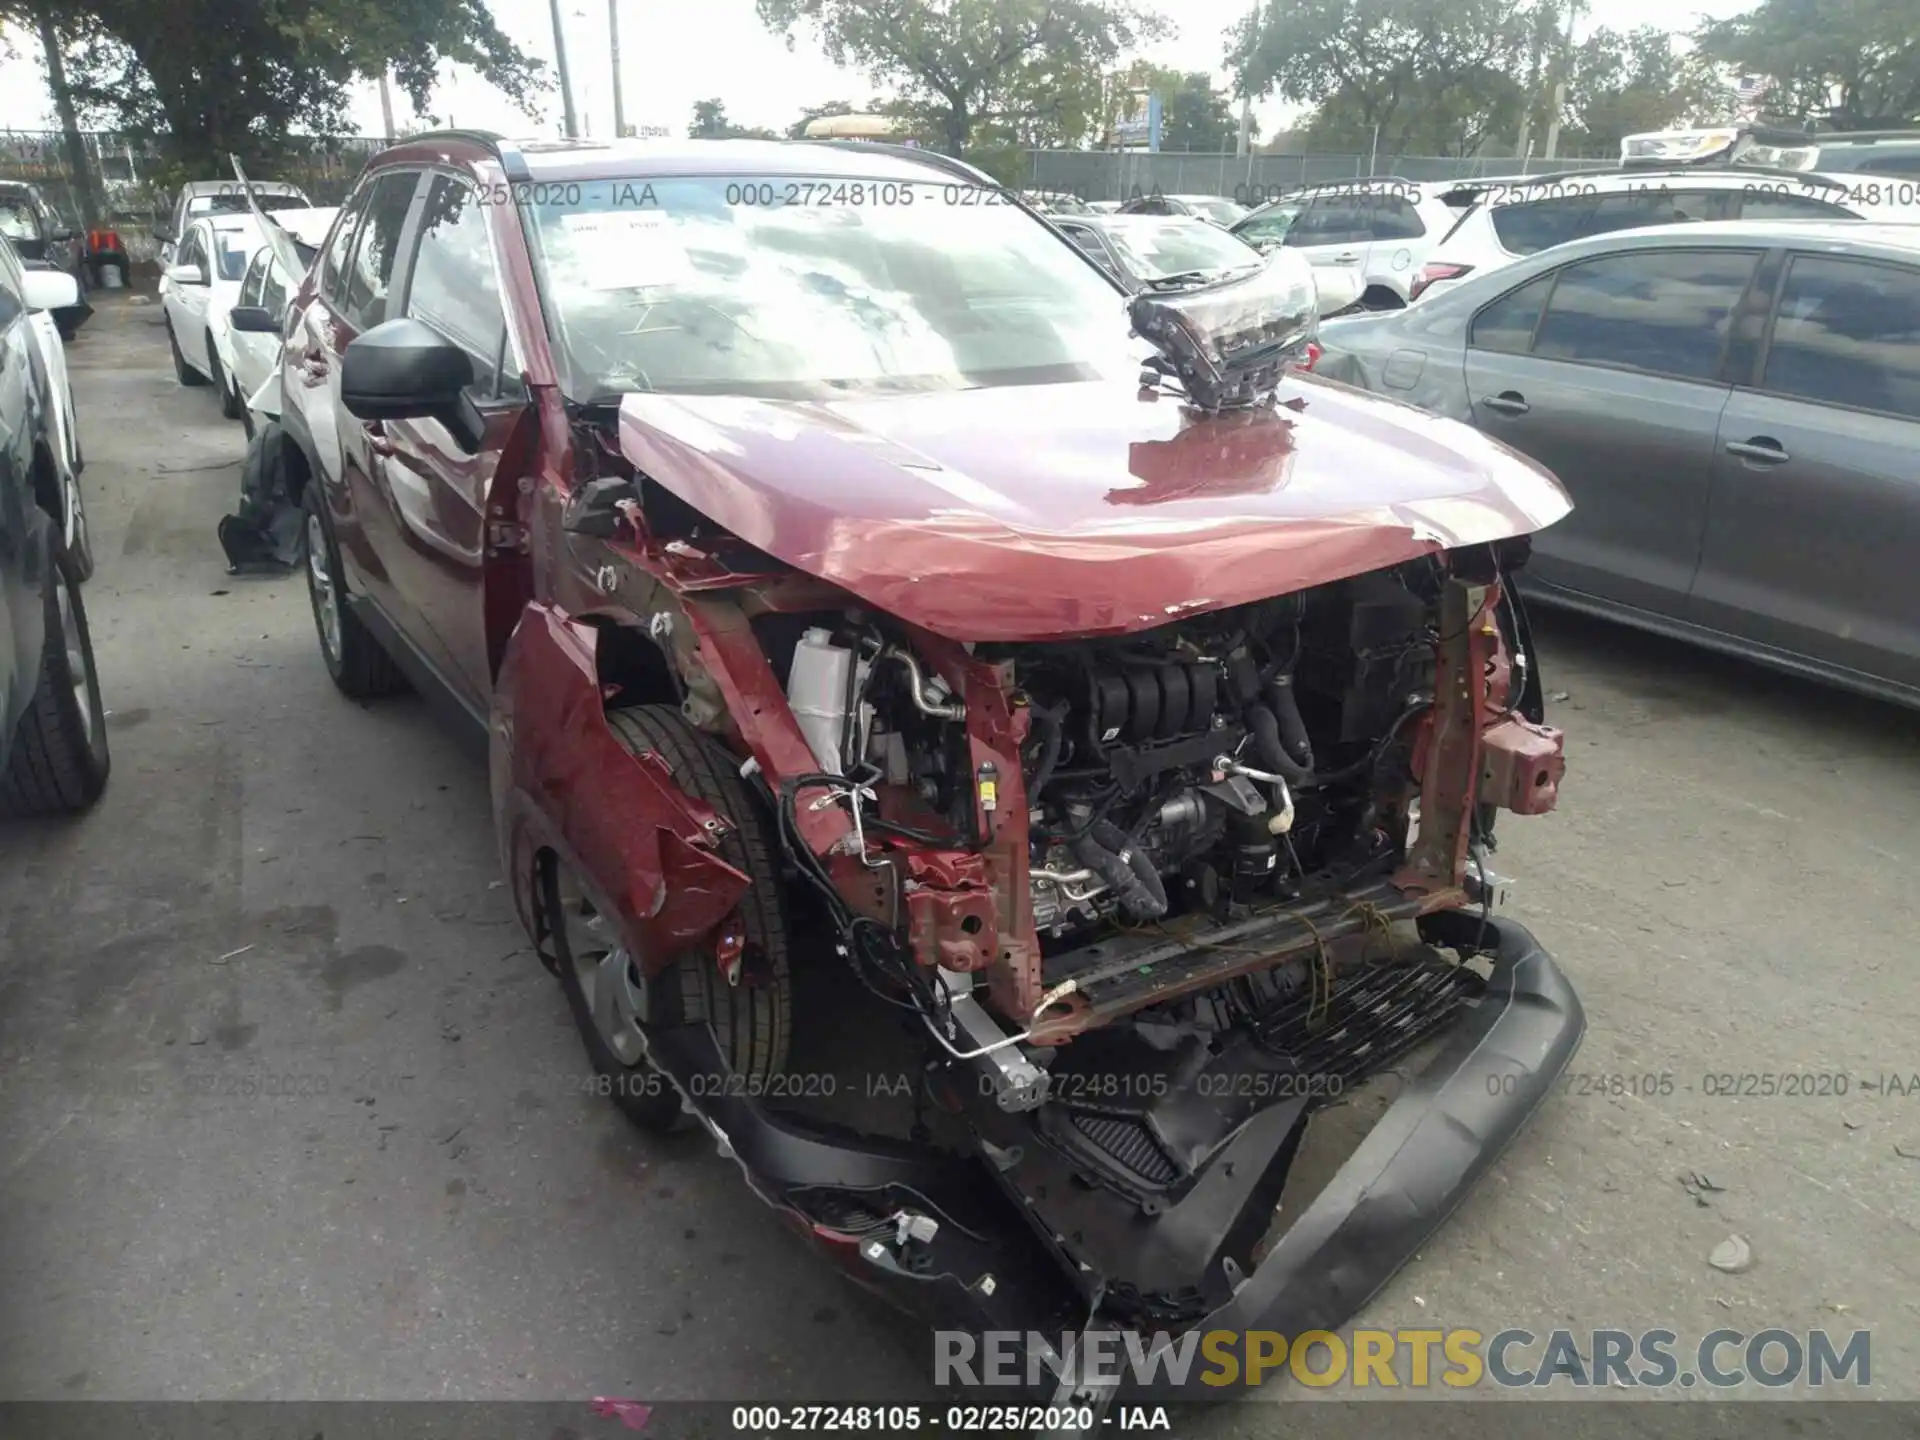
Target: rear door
[(1608, 372), (1814, 527), (433, 483)]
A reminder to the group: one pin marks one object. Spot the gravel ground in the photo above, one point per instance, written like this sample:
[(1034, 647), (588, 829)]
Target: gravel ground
[(285, 892)]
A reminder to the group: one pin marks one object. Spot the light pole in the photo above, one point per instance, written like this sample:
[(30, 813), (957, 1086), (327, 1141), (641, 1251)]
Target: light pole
[(560, 64), (613, 35)]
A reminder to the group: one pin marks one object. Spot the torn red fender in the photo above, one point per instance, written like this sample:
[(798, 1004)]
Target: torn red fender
[(642, 840)]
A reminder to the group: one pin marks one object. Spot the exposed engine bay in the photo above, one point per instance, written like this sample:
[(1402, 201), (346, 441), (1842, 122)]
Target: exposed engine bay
[(1210, 818)]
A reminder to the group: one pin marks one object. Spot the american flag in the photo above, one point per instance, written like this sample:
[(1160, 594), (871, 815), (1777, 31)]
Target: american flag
[(1752, 87)]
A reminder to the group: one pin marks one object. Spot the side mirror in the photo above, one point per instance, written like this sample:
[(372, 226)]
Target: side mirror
[(49, 290), (187, 274), (405, 370), (595, 510), (252, 320)]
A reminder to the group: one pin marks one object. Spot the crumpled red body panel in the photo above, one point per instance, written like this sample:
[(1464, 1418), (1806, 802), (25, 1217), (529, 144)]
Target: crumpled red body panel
[(621, 820)]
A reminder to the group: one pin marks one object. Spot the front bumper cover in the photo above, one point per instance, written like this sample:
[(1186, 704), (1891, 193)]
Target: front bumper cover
[(985, 1270)]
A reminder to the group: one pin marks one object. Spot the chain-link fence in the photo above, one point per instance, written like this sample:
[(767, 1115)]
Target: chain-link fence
[(1119, 175)]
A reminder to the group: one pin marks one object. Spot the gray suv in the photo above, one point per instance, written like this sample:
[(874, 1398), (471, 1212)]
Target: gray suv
[(1733, 406)]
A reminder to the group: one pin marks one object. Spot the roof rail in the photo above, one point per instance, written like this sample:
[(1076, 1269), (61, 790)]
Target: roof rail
[(1805, 177), (934, 158), (1865, 137)]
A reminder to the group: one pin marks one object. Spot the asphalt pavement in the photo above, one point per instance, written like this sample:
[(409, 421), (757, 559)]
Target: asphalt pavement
[(288, 1110)]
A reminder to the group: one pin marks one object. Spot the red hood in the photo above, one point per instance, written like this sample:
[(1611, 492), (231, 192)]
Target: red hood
[(1036, 512)]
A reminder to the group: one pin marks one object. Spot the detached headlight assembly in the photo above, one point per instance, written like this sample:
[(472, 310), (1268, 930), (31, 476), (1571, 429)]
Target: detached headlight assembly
[(1227, 344)]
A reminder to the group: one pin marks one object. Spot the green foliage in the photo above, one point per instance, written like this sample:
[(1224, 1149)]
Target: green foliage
[(710, 123), (1621, 84), (251, 75), (1027, 71), (1865, 51)]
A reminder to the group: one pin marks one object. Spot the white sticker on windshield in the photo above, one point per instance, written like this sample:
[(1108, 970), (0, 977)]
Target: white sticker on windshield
[(625, 250)]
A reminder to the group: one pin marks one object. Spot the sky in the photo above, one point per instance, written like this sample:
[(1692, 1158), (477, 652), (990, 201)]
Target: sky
[(674, 53)]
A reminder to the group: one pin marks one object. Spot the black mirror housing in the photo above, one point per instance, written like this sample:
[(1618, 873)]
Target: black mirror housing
[(403, 370), (252, 320)]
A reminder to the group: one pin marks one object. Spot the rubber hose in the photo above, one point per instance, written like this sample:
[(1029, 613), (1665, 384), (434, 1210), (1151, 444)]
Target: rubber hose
[(1049, 750), (1266, 739), (1128, 872), (1285, 704)]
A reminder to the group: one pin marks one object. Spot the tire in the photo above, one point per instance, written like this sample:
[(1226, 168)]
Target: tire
[(751, 1022), (182, 371), (230, 406), (58, 762), (360, 668), (80, 554)]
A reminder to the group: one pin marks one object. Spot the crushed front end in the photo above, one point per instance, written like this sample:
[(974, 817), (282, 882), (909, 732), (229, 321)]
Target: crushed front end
[(1150, 903)]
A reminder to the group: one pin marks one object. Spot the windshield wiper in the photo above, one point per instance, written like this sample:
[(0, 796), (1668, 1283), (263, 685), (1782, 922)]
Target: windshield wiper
[(1186, 278)]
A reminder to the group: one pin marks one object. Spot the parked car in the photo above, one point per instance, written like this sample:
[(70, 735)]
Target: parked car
[(1734, 407), (201, 198), (1383, 227), (1505, 221), (42, 236), (63, 430), (1055, 202), (1858, 152), (1103, 207), (203, 284), (247, 339), (1214, 209), (1153, 252), (810, 632), (53, 733)]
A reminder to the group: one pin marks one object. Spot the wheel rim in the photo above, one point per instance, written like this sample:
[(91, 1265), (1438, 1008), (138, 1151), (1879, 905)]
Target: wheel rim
[(77, 541), (79, 674), (603, 970), (321, 589)]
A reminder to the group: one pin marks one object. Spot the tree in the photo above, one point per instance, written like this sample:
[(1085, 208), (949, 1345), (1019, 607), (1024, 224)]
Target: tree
[(1194, 116), (1422, 74), (1031, 66), (1623, 84), (1852, 63), (710, 123), (220, 76)]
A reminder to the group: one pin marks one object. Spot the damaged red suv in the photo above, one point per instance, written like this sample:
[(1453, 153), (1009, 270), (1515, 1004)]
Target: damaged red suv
[(1002, 755)]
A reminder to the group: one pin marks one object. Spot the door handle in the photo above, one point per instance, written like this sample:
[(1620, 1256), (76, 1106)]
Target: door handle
[(1762, 448), (1508, 402), (1348, 259), (378, 441)]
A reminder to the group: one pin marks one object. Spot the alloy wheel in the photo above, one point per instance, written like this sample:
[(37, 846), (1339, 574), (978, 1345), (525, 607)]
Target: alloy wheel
[(322, 590)]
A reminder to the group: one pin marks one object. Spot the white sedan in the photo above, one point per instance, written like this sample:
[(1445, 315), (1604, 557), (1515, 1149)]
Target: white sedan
[(44, 292), (203, 284), (249, 339)]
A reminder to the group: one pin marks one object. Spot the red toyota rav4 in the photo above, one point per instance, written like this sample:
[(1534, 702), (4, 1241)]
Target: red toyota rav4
[(1096, 722)]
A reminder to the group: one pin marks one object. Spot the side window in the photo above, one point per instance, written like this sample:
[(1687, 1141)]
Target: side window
[(273, 292), (1269, 225), (334, 263), (1892, 165), (1847, 332), (453, 288), (1661, 311), (1507, 324), (1790, 207), (1395, 218), (364, 302), (256, 279), (12, 307), (1532, 225), (1330, 220)]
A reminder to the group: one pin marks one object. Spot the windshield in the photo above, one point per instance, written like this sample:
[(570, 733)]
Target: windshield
[(1270, 226), (1221, 212), (232, 249), (1152, 251), (795, 288), (237, 204)]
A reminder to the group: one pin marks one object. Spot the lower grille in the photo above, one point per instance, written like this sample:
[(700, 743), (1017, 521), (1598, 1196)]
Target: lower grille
[(1129, 1144), (1373, 1016)]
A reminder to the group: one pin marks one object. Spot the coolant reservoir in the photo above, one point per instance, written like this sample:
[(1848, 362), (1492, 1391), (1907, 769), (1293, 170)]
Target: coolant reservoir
[(818, 685)]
